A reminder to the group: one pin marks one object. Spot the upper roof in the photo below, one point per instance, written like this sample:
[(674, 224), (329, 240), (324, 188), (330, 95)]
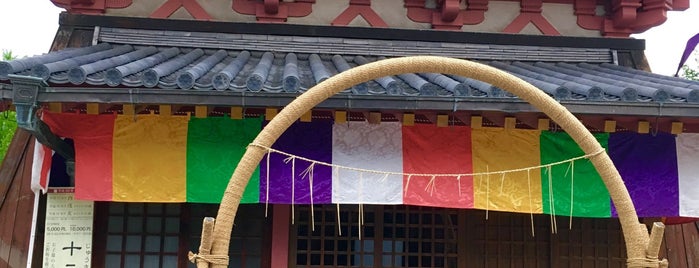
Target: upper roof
[(283, 65)]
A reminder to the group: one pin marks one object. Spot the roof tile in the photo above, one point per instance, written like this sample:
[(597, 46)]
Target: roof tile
[(276, 64)]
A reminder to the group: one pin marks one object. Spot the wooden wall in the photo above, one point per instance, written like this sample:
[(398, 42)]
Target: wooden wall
[(16, 201), (681, 245)]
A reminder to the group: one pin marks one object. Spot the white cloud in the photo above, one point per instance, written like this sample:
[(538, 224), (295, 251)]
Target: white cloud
[(665, 43), (28, 26)]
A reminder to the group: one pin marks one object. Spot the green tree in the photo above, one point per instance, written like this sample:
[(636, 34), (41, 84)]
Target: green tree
[(691, 72), (8, 122), (8, 126), (7, 55)]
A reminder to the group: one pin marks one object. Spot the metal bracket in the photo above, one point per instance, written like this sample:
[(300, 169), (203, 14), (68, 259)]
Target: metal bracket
[(25, 91), (25, 94)]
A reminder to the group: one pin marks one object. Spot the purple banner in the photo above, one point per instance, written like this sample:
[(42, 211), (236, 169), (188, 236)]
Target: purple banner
[(311, 140), (691, 45), (648, 166)]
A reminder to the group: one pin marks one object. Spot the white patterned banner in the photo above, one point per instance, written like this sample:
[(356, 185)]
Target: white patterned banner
[(373, 147)]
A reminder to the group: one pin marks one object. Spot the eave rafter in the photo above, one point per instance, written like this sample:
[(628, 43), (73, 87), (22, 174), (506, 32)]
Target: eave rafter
[(459, 111)]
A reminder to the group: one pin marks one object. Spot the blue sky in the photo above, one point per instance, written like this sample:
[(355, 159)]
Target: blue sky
[(29, 26)]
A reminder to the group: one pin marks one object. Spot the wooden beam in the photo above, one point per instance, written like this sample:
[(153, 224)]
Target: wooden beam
[(128, 109), (677, 128), (56, 107), (237, 112), (476, 121), (270, 113), (643, 127), (165, 109), (374, 118), (307, 117), (442, 120), (340, 117), (408, 119), (544, 124), (201, 111), (609, 126), (93, 108), (510, 122)]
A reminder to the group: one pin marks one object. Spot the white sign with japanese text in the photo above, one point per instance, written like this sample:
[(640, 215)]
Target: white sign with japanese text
[(68, 232)]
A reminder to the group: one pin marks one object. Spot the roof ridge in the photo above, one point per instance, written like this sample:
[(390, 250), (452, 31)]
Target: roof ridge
[(351, 46)]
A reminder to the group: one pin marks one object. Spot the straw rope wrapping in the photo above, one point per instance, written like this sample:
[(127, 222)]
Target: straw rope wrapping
[(635, 236), (213, 259), (430, 185), (647, 262)]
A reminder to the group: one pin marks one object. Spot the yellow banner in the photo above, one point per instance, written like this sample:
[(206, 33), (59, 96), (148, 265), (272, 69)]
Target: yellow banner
[(496, 149), (150, 157)]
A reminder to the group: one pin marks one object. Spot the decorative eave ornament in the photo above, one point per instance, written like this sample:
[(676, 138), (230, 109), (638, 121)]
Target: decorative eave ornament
[(626, 16), (275, 11), (90, 6)]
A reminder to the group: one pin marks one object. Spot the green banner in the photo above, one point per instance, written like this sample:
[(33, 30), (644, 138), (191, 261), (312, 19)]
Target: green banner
[(588, 192), (215, 145)]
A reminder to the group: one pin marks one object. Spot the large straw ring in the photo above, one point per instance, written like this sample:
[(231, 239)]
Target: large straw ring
[(635, 234)]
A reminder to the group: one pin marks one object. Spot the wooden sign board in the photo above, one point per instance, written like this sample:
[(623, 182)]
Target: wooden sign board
[(68, 231)]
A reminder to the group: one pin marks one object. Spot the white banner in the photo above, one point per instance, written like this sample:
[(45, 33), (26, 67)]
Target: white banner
[(688, 171), (369, 146), (68, 231)]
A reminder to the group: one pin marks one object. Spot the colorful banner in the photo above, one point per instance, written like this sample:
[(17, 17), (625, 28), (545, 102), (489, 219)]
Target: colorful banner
[(151, 158), (571, 189), (497, 149), (214, 147), (688, 173), (292, 181), (428, 149), (92, 137), (367, 146), (648, 165), (41, 167)]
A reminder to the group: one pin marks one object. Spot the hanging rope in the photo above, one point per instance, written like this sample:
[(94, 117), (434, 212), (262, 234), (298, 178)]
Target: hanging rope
[(267, 185), (293, 185), (502, 183), (487, 192), (572, 183), (428, 175), (531, 208), (339, 224), (458, 179), (431, 185), (309, 173)]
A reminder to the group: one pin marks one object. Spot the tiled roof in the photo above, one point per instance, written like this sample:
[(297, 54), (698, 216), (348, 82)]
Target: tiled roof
[(272, 71)]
